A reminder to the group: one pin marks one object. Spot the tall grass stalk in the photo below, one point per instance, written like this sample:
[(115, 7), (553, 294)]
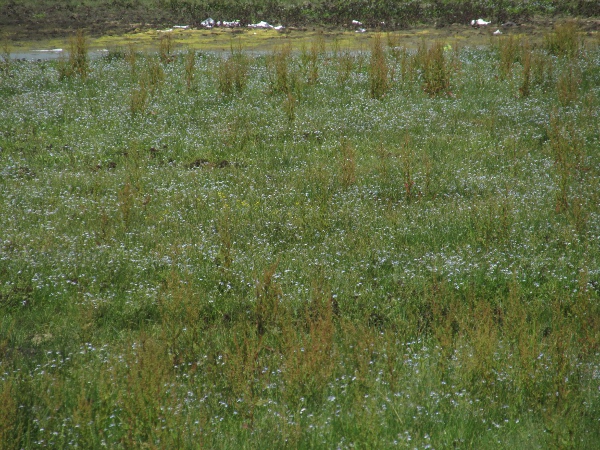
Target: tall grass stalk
[(190, 68), (278, 70), (567, 85), (525, 88), (5, 55), (348, 166), (165, 47), (436, 72), (78, 55), (565, 41), (508, 50), (345, 65), (232, 72), (78, 62), (379, 82)]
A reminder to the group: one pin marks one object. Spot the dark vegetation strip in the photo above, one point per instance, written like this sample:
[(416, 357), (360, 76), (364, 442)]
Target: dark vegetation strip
[(26, 18)]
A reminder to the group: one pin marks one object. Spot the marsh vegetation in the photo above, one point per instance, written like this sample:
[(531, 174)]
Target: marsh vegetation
[(311, 249)]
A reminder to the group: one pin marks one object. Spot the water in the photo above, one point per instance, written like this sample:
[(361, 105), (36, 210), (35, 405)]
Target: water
[(51, 54)]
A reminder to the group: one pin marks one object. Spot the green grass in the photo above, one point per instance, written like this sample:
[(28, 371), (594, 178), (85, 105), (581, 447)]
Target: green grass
[(299, 264)]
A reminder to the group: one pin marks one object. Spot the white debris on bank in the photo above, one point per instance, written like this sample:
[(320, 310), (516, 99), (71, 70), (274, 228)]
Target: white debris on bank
[(175, 27), (361, 30), (262, 25), (497, 32), (357, 23), (479, 23), (232, 24), (208, 23)]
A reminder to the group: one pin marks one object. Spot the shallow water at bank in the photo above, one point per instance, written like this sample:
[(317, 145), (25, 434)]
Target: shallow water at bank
[(266, 40)]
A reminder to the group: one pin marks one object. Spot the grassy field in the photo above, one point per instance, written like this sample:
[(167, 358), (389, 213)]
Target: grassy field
[(314, 248)]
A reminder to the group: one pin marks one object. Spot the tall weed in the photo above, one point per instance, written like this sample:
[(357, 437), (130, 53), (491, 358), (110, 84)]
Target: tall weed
[(10, 429), (508, 50), (568, 151), (310, 59), (345, 65), (190, 68), (78, 62), (567, 85), (348, 166), (165, 47), (139, 98), (232, 72), (525, 88), (5, 55), (379, 82), (565, 41), (268, 308), (436, 72)]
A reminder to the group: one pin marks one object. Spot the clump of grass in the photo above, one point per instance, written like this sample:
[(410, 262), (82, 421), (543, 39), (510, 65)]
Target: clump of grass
[(393, 44), (407, 72), (491, 221), (190, 68), (289, 106), (567, 85), (280, 78), (348, 163), (78, 55), (78, 63), (10, 431), (226, 76), (131, 58), (155, 75), (407, 157), (565, 40), (232, 73), (436, 73), (115, 54), (145, 398), (379, 82), (508, 50), (165, 47), (419, 57), (542, 68), (567, 149), (139, 98), (310, 59), (181, 317), (308, 350), (5, 54), (268, 309), (126, 199), (525, 88), (225, 257), (345, 65)]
